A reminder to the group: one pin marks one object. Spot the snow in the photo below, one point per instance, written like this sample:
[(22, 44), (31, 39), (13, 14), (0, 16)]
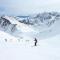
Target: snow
[(21, 45), (14, 49)]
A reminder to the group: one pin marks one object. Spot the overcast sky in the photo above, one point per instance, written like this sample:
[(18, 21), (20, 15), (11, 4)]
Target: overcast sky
[(24, 7)]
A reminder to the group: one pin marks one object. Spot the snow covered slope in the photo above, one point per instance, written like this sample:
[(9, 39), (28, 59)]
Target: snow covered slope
[(14, 49)]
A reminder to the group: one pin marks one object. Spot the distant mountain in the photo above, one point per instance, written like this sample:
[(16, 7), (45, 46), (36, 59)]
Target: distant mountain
[(10, 25), (42, 25), (46, 18)]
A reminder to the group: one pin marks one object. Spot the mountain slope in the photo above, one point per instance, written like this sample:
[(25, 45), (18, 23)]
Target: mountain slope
[(44, 25)]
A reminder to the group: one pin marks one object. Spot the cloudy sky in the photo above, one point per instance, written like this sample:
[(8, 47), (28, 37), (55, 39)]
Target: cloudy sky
[(24, 7)]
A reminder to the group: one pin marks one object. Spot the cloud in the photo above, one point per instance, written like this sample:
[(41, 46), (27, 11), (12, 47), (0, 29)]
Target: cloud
[(28, 6)]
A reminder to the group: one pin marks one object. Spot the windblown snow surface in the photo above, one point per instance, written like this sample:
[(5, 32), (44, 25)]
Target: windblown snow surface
[(19, 45)]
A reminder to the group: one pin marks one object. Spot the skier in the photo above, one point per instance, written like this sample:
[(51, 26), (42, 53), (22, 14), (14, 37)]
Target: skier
[(5, 40), (35, 42)]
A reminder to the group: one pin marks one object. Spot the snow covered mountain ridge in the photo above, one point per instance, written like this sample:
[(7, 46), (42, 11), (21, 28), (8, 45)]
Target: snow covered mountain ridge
[(42, 24), (46, 18)]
